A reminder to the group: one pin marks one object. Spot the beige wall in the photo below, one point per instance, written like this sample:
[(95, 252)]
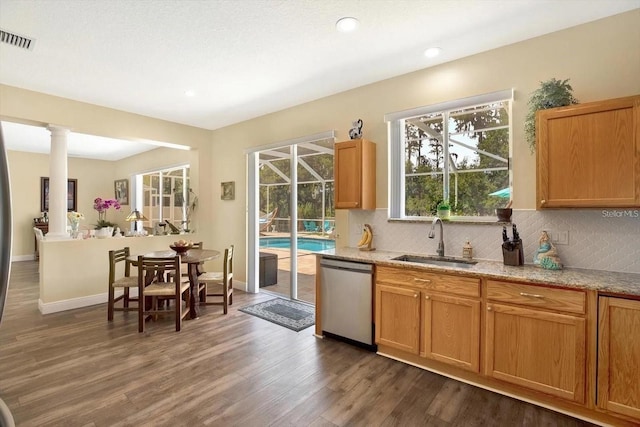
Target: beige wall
[(602, 59), (95, 178), (25, 172)]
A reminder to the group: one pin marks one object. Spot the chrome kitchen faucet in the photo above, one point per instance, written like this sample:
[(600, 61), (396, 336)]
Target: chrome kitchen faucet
[(432, 234)]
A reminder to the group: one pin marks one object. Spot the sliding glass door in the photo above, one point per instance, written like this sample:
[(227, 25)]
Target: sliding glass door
[(296, 216)]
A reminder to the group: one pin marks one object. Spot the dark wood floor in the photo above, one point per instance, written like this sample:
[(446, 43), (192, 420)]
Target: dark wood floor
[(75, 369)]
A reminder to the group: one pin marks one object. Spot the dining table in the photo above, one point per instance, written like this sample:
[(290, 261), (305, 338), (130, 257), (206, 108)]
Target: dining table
[(193, 258)]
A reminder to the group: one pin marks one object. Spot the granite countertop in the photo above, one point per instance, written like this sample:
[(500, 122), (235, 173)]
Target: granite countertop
[(603, 281)]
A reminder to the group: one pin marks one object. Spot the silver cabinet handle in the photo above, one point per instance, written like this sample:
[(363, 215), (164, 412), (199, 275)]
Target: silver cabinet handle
[(524, 294), (415, 279), (489, 308), (415, 295), (426, 297)]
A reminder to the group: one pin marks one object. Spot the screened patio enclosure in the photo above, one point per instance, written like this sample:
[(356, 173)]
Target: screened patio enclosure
[(296, 201), (315, 207)]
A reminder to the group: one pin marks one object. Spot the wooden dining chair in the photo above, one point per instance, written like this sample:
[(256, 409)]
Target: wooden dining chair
[(153, 286), (125, 281), (218, 284)]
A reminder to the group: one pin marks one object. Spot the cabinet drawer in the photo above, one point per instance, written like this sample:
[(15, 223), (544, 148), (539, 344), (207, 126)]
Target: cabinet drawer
[(446, 283), (537, 296)]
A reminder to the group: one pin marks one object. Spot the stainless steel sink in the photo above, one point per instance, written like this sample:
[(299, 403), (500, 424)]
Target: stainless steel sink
[(436, 260)]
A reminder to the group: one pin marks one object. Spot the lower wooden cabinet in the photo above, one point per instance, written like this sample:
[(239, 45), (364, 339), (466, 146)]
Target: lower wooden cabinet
[(414, 315), (534, 340), (619, 356), (451, 330), (397, 318), (536, 349)]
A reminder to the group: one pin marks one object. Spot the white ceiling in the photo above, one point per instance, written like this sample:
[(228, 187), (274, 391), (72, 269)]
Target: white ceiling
[(247, 58), (20, 137)]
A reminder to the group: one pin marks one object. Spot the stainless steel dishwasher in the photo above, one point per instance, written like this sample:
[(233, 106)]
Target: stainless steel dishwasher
[(346, 301)]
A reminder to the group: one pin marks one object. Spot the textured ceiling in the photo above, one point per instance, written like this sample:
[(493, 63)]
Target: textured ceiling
[(247, 58)]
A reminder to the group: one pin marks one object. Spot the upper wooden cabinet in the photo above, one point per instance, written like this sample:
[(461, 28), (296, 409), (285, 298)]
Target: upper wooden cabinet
[(588, 155), (355, 174)]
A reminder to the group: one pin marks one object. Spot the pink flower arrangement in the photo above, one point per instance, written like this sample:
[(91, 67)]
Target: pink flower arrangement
[(101, 206)]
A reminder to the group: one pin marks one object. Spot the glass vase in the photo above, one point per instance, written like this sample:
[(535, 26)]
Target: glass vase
[(74, 229)]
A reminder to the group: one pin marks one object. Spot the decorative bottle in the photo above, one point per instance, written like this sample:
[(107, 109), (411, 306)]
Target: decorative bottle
[(467, 250)]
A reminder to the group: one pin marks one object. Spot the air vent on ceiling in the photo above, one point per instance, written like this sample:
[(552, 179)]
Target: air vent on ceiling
[(16, 40)]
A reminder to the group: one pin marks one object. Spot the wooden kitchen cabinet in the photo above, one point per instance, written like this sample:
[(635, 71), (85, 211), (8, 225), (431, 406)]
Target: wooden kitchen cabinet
[(619, 356), (355, 174), (397, 318), (436, 316), (451, 330), (531, 346), (588, 155)]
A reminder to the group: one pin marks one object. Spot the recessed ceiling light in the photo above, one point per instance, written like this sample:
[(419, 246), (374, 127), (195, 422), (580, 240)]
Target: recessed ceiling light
[(432, 52), (189, 93), (347, 24)]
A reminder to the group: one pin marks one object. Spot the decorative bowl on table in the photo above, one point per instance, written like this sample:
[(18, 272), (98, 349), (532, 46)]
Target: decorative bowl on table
[(180, 249)]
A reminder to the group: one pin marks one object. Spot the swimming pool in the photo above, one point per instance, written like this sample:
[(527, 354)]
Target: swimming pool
[(304, 243)]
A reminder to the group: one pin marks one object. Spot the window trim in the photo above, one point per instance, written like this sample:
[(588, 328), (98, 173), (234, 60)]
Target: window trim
[(138, 201), (396, 136)]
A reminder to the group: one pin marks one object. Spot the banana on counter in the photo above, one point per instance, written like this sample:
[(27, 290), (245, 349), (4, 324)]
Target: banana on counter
[(367, 237)]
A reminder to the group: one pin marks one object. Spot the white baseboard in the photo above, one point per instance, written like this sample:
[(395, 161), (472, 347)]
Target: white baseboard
[(71, 304), (23, 258)]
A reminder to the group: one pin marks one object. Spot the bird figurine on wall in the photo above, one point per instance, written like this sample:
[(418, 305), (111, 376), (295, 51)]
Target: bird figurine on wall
[(356, 131)]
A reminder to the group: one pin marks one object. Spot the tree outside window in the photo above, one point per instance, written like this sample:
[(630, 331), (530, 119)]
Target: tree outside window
[(457, 156)]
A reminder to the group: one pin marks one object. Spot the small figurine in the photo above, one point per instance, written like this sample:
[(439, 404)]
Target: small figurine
[(547, 256), (356, 131)]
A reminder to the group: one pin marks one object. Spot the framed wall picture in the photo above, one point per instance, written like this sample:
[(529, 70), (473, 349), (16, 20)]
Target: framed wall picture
[(228, 190), (121, 187), (72, 194)]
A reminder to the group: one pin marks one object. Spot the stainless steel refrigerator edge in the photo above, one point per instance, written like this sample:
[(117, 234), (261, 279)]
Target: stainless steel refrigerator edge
[(6, 419)]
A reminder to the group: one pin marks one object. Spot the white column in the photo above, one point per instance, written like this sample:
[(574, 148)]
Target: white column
[(58, 183)]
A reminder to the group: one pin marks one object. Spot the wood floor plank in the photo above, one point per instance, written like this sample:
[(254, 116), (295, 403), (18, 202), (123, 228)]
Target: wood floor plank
[(75, 369), (413, 409)]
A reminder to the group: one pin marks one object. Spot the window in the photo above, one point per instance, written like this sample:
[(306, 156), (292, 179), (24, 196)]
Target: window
[(164, 196), (455, 152)]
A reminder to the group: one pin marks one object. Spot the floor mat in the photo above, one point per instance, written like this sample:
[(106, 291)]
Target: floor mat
[(290, 314)]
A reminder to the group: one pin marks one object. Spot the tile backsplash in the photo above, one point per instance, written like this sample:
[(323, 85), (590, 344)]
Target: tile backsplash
[(606, 239)]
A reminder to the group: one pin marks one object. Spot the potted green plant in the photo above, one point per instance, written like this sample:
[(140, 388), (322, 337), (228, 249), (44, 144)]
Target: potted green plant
[(551, 93), (444, 210)]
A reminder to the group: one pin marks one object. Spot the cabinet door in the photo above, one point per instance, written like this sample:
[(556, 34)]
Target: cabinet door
[(398, 318), (451, 331), (355, 174), (348, 170), (539, 350), (619, 356), (588, 155)]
